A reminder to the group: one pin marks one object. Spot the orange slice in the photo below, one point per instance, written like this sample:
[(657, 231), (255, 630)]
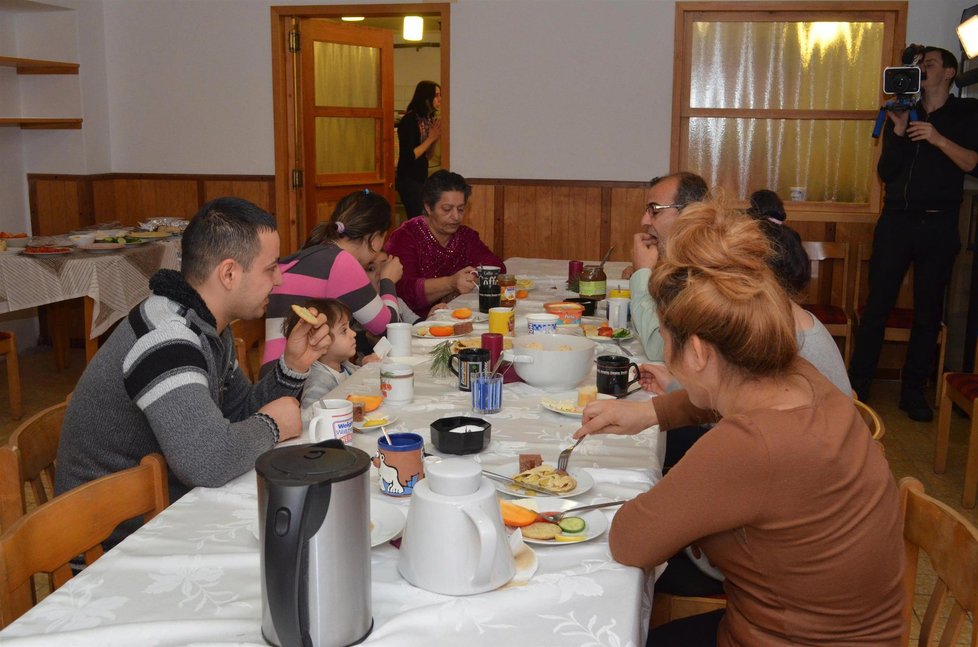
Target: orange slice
[(462, 313), (370, 402)]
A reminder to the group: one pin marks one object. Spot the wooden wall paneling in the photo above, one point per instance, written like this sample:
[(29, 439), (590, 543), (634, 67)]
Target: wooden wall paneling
[(480, 214), (627, 208), (55, 206), (258, 191), (138, 199), (103, 200)]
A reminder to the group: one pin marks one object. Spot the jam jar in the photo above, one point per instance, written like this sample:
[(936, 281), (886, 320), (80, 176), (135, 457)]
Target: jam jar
[(507, 290), (593, 283)]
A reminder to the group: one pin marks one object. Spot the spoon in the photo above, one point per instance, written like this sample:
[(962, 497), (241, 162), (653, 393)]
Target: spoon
[(607, 256)]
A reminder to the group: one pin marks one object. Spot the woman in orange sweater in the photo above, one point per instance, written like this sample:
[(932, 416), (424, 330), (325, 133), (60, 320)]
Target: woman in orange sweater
[(787, 494)]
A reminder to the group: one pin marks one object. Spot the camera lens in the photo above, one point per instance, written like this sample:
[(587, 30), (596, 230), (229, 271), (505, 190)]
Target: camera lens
[(901, 82)]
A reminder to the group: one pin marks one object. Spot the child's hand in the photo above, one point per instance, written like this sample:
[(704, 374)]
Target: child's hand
[(367, 359)]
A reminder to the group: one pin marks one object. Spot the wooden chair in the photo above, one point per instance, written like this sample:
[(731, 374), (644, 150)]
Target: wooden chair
[(46, 539), (872, 419), (667, 607), (951, 543), (900, 320), (832, 312), (960, 389), (28, 460), (249, 336), (8, 347)]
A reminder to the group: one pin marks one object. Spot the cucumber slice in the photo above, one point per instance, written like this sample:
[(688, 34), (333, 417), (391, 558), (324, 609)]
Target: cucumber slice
[(572, 524)]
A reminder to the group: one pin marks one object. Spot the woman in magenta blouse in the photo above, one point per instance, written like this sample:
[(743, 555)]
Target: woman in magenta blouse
[(438, 253)]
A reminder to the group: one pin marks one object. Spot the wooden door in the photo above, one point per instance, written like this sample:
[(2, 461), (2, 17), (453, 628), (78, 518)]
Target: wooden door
[(346, 115)]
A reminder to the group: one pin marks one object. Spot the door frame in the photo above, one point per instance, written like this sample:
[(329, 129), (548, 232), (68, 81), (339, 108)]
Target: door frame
[(287, 200)]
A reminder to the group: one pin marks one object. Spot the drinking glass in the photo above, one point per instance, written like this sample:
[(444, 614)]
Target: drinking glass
[(487, 392)]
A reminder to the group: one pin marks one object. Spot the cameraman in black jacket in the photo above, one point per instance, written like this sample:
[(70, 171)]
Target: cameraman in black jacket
[(922, 166)]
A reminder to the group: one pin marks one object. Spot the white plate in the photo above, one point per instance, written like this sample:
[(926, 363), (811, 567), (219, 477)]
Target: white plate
[(362, 425), (607, 340), (386, 521), (428, 324), (446, 315), (12, 251), (584, 480), (553, 402), (596, 522)]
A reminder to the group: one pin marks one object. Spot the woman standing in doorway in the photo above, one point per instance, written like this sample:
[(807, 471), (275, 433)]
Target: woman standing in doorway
[(417, 133)]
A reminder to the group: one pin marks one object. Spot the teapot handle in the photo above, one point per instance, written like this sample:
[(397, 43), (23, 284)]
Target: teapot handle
[(487, 543)]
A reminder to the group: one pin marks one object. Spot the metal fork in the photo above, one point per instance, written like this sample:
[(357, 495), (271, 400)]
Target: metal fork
[(565, 456), (554, 517)]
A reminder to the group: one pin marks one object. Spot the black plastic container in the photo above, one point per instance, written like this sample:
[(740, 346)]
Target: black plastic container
[(589, 304), (468, 442)]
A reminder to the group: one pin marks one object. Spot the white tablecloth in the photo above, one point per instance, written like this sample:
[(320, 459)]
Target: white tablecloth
[(191, 576), (115, 282)]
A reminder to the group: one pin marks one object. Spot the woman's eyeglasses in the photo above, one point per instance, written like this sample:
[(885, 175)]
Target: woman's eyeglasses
[(653, 208)]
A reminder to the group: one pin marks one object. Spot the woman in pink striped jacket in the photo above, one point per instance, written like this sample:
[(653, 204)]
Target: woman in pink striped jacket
[(332, 265)]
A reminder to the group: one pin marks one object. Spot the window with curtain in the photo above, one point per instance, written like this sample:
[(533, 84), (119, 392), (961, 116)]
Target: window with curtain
[(783, 98)]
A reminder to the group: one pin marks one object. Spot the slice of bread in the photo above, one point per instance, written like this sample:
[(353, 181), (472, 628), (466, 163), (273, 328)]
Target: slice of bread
[(541, 530)]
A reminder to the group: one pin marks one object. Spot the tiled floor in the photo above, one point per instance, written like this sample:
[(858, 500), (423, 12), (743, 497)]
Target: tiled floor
[(909, 445)]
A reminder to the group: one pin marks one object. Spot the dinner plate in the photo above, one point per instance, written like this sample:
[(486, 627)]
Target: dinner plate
[(584, 480), (565, 403), (606, 340), (446, 315), (362, 425), (386, 522), (53, 251), (597, 522), (12, 251), (417, 329), (101, 248)]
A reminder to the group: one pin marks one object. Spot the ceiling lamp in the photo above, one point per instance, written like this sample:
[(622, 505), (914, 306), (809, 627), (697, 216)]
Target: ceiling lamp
[(968, 31), (413, 28), (352, 18)]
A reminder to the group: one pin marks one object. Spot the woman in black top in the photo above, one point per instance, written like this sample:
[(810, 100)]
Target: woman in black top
[(417, 133)]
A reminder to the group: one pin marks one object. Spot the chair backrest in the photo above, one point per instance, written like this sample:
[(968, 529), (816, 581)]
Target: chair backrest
[(73, 523), (951, 543), (827, 260), (29, 461), (872, 419), (249, 335), (863, 252)]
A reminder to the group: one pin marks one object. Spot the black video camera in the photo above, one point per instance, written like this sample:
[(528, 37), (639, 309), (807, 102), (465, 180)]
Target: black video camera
[(901, 80), (904, 82)]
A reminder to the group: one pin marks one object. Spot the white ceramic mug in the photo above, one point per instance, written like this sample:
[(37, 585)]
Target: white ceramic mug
[(618, 312), (397, 382), (399, 335), (798, 194), (334, 420), (542, 323)]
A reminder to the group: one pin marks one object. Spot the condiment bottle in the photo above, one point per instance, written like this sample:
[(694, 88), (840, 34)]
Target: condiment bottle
[(573, 274), (593, 283), (507, 290)]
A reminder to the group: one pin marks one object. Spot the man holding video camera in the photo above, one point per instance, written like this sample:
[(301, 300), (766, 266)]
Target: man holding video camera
[(922, 165)]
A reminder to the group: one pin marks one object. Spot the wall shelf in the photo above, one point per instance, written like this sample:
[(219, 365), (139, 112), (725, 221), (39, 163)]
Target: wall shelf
[(34, 66), (25, 123)]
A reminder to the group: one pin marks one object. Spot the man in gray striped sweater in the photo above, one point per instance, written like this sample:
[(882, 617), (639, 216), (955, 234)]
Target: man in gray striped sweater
[(167, 379)]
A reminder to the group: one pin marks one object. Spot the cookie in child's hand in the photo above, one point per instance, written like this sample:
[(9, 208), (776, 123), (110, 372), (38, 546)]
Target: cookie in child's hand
[(305, 315)]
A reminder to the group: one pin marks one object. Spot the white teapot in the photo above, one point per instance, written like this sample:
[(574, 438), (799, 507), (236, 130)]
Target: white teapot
[(454, 542)]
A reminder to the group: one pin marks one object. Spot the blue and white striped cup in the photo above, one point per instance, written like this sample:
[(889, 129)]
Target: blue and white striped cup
[(487, 392)]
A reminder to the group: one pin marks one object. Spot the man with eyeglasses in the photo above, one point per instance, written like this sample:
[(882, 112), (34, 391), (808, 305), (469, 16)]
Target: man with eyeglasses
[(667, 196)]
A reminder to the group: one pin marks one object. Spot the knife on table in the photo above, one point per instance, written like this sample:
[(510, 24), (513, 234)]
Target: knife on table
[(523, 486)]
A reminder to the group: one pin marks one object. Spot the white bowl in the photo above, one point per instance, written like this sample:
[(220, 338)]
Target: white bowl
[(552, 362), (18, 242)]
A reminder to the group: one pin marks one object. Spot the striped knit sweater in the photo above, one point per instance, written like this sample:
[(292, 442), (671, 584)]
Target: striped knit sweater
[(327, 272), (166, 381)]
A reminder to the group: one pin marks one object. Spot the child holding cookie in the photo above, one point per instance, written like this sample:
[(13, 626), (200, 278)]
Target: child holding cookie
[(334, 365)]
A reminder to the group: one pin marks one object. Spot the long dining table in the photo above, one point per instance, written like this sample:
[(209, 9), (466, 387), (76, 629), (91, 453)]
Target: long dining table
[(191, 575)]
